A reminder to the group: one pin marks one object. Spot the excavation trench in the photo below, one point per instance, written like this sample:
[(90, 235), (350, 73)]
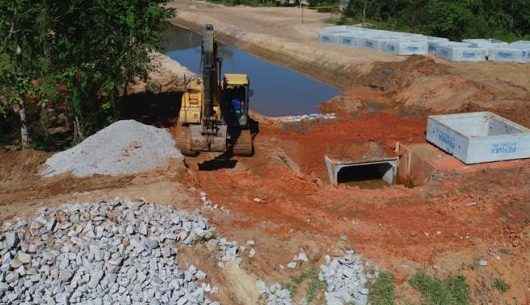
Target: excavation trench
[(277, 90)]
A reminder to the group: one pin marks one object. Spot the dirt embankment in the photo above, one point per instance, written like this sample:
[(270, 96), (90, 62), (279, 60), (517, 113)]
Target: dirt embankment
[(424, 83), (167, 76)]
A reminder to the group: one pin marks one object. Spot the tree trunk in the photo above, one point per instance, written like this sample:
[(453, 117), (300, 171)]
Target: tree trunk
[(24, 132), (78, 132), (364, 10)]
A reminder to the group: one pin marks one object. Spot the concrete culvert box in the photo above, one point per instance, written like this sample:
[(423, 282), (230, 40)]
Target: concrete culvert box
[(360, 163), (479, 137)]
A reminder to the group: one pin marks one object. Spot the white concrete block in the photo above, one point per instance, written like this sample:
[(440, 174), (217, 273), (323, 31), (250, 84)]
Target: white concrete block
[(399, 47), (479, 137), (508, 55)]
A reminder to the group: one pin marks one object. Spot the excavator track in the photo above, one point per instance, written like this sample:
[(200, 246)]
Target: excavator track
[(183, 141), (243, 145)]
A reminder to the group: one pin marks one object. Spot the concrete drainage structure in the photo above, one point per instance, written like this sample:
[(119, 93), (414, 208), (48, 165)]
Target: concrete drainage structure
[(350, 170), (479, 137)]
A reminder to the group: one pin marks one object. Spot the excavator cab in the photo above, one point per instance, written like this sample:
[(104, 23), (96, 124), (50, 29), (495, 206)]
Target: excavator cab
[(236, 95)]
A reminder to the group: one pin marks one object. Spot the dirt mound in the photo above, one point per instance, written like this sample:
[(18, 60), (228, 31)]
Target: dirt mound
[(395, 75), (20, 167), (428, 85), (167, 76), (123, 148)]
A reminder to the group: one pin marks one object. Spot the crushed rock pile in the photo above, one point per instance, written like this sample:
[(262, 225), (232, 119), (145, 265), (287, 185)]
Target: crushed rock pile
[(346, 280), (117, 252), (123, 148), (275, 294)]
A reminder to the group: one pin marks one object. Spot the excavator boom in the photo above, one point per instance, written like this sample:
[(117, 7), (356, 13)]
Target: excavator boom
[(213, 116)]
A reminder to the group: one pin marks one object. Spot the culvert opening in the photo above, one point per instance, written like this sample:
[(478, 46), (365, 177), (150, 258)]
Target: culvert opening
[(372, 174), (366, 172)]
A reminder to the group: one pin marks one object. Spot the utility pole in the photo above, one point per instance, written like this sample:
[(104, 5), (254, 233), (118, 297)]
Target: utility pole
[(301, 11)]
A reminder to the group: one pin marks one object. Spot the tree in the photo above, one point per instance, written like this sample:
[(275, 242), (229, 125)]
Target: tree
[(89, 49), (99, 46), (22, 57), (506, 19)]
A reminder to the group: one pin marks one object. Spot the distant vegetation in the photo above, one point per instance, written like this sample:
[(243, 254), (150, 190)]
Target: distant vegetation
[(504, 19)]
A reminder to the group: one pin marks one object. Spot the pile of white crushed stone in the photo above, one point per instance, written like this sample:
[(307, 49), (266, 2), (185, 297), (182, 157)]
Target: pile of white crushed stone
[(123, 148), (116, 252)]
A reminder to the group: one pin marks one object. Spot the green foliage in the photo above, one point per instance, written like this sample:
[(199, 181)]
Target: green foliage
[(22, 51), (451, 291), (500, 285), (90, 50), (314, 284), (382, 291), (99, 47), (448, 18)]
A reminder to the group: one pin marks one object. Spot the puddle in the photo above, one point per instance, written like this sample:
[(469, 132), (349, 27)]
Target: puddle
[(278, 91)]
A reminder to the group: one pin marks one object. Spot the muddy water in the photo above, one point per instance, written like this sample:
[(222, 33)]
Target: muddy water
[(277, 90)]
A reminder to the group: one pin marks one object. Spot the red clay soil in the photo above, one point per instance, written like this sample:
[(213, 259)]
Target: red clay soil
[(283, 196)]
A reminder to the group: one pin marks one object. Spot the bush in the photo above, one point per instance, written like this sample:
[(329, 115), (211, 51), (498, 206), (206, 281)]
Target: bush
[(501, 285), (453, 19), (382, 290), (451, 291)]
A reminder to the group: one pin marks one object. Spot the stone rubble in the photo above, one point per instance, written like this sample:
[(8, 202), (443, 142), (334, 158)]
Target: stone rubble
[(208, 204), (274, 294), (306, 117), (298, 259), (346, 280), (118, 252)]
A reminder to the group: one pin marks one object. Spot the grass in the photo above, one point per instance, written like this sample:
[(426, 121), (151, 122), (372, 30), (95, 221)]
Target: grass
[(314, 286), (500, 285), (451, 291), (382, 291)]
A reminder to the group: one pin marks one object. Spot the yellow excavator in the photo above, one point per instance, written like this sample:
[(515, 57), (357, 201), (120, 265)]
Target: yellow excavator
[(214, 112)]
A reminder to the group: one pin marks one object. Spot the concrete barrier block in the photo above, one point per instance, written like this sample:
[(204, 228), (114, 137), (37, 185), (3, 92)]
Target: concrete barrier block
[(372, 43), (405, 48), (461, 53), (348, 40), (329, 38), (525, 49), (479, 137), (508, 55)]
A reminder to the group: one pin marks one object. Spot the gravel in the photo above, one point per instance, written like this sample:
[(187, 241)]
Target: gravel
[(274, 294), (123, 148), (117, 252), (346, 280)]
